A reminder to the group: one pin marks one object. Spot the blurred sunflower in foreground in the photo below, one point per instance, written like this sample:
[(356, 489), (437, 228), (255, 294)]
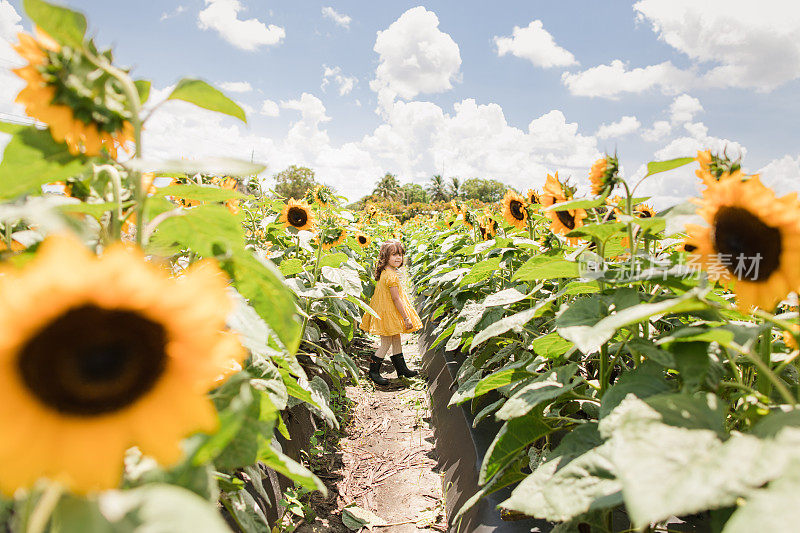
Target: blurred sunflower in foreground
[(752, 241), (116, 354), (83, 105)]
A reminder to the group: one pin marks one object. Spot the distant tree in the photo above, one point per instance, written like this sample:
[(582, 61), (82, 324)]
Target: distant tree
[(437, 189), (413, 193), (388, 188), (293, 182), (455, 187), (483, 189)]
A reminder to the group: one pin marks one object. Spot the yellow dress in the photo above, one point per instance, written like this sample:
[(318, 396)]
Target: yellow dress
[(391, 321)]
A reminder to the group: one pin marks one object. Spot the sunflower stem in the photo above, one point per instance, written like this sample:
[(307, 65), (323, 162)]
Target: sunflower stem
[(763, 383), (116, 184), (7, 227), (45, 507), (307, 315), (603, 369), (629, 212)]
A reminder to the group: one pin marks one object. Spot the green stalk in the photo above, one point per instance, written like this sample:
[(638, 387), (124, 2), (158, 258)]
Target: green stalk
[(45, 507), (763, 384), (629, 212), (314, 282), (603, 369), (7, 234)]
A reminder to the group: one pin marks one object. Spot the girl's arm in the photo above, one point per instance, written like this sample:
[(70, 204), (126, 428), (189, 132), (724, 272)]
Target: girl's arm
[(398, 303)]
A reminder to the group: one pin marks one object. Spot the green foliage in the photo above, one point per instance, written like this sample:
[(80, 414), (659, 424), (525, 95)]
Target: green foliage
[(294, 181), (203, 95), (64, 25)]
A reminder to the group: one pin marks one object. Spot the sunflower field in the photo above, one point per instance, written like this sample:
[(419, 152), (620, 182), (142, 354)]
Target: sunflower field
[(166, 321)]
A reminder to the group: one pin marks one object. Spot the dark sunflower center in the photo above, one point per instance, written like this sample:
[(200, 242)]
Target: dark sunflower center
[(515, 206), (565, 218), (91, 361), (645, 214), (362, 239), (297, 217), (754, 248)]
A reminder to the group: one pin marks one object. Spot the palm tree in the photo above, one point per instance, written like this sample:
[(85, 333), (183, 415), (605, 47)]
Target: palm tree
[(388, 188), (437, 189), (455, 187)]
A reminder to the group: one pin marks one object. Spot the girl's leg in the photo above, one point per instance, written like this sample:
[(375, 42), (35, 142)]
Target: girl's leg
[(377, 359), (399, 361)]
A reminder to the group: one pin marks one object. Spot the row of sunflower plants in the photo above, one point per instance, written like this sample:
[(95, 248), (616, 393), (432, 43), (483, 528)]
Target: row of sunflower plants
[(642, 366), (152, 346)]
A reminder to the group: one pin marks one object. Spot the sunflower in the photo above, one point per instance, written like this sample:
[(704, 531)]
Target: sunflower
[(469, 218), (105, 359), (332, 237), (715, 168), (603, 175), (322, 195), (514, 210), (297, 215), (532, 197), (562, 222), (752, 242), (644, 211), (491, 226), (363, 239), (82, 105), (233, 203)]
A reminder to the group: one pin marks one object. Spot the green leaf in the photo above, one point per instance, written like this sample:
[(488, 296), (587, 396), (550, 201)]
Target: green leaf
[(512, 437), (692, 361), (292, 469), (143, 88), (565, 487), (504, 297), (355, 518), (160, 507), (198, 192), (576, 204), (601, 231), (203, 95), (645, 381), (75, 514), (773, 508), (546, 267), (669, 471), (11, 128), (207, 230), (215, 166), (773, 423), (64, 25), (363, 305), (703, 411), (262, 284), (551, 345), (588, 338), (95, 210), (31, 159), (290, 267), (510, 322), (548, 386), (509, 475), (481, 271), (654, 167), (333, 260), (501, 378)]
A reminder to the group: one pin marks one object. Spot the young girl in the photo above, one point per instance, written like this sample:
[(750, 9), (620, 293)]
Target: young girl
[(397, 314)]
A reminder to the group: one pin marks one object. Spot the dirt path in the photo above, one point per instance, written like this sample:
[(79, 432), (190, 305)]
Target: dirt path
[(386, 461)]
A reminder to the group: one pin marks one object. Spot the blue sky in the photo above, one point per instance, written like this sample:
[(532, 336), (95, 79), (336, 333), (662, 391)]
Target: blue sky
[(510, 90)]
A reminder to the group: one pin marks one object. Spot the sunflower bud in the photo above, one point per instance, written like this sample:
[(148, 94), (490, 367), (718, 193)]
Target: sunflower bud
[(604, 175)]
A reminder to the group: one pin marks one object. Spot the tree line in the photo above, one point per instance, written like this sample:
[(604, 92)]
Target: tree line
[(294, 181)]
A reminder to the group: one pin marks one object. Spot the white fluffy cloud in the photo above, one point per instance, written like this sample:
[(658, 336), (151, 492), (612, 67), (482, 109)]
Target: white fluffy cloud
[(660, 129), (747, 44), (177, 11), (338, 18), (270, 108), (345, 83), (782, 174), (236, 86), (684, 108), (415, 57), (535, 44), (610, 81), (222, 16), (622, 127)]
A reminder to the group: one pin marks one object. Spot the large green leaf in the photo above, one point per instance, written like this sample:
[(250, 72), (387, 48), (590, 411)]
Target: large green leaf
[(601, 231), (198, 192), (546, 267), (548, 386), (31, 159), (645, 381), (654, 167), (333, 260), (217, 166), (481, 271), (512, 437), (208, 230), (160, 507), (576, 204), (64, 25), (504, 297), (551, 345), (510, 322), (773, 508), (589, 338), (668, 470), (292, 469), (565, 487), (203, 95), (501, 378), (263, 286)]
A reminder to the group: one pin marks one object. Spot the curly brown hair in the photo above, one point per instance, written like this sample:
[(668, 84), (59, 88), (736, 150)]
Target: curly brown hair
[(387, 249)]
